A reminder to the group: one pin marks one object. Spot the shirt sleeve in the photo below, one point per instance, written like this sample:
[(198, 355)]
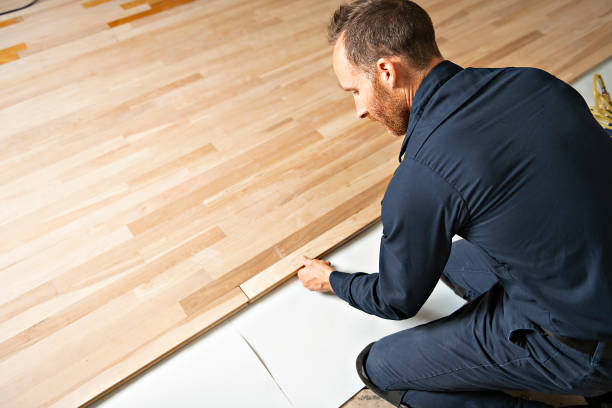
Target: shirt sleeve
[(421, 212)]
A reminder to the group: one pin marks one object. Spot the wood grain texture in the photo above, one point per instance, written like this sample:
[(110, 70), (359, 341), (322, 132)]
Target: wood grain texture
[(8, 5), (165, 162)]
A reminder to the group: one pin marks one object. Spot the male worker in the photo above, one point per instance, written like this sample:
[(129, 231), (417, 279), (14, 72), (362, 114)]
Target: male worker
[(512, 161)]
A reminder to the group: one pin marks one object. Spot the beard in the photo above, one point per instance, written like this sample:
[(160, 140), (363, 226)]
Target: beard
[(389, 109)]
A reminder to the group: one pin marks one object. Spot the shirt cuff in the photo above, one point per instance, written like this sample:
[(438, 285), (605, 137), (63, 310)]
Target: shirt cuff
[(341, 284)]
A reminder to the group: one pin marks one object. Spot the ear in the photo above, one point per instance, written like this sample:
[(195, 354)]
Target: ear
[(387, 71)]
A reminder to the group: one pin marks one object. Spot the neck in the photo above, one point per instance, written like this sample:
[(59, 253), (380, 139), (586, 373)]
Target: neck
[(416, 78)]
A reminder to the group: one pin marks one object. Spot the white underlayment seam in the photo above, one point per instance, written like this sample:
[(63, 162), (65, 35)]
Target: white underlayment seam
[(267, 369)]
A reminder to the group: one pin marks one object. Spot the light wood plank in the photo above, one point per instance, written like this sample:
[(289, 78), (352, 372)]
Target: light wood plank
[(165, 162)]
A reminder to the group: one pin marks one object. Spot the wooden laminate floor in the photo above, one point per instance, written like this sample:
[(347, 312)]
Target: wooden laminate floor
[(165, 162)]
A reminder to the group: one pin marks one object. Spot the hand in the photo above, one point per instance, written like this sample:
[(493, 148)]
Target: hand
[(315, 274)]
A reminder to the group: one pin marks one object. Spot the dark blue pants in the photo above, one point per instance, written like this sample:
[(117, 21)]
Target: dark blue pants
[(467, 358)]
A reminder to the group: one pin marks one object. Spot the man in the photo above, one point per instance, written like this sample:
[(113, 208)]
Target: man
[(512, 161)]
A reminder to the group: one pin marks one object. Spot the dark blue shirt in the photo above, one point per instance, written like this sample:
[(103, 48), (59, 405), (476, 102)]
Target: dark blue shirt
[(512, 160)]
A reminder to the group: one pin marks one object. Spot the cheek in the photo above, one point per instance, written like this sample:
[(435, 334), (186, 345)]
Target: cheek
[(360, 103), (365, 100), (373, 105)]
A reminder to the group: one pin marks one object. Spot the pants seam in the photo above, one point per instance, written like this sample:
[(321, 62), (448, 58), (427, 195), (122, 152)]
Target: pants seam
[(462, 269), (460, 369)]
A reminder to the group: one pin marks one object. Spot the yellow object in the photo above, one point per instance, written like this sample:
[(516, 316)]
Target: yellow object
[(603, 107)]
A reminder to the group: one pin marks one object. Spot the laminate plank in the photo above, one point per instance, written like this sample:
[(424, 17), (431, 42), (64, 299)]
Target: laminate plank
[(200, 298), (509, 47), (165, 162)]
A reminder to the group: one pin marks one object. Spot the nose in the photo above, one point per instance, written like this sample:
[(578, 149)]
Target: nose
[(362, 112)]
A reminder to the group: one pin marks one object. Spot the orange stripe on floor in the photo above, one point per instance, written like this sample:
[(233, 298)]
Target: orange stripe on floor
[(92, 3), (134, 3), (155, 8), (10, 21), (10, 54)]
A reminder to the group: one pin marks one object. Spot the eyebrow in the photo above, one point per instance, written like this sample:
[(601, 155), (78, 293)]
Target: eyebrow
[(346, 89)]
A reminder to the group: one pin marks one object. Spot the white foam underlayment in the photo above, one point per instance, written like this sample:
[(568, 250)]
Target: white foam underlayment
[(293, 347)]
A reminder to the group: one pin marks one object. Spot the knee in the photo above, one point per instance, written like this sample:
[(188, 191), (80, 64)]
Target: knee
[(372, 368), (368, 368)]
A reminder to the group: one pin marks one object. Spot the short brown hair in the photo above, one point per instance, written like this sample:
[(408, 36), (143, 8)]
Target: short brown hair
[(383, 28)]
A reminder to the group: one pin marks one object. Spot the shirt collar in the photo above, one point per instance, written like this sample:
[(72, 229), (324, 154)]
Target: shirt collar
[(430, 85)]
